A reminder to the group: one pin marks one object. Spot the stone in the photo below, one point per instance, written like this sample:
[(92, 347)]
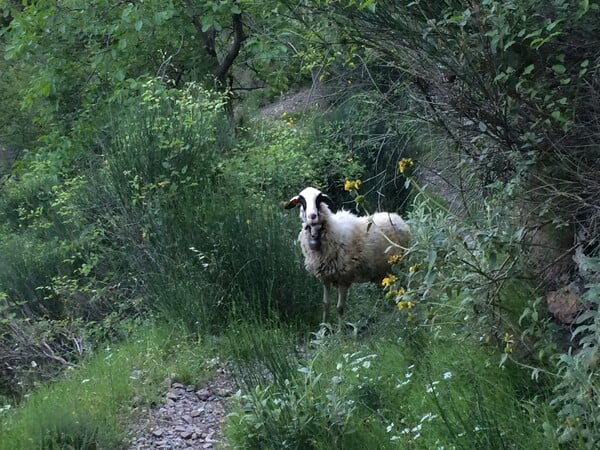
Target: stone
[(187, 434), (203, 394), (197, 412), (565, 305)]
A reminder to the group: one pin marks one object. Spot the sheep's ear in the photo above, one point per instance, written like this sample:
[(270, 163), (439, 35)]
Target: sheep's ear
[(322, 198), (294, 201)]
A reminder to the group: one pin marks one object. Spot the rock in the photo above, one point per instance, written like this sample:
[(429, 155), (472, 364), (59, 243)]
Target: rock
[(203, 394), (197, 412), (224, 392), (565, 305), (158, 432), (187, 434)]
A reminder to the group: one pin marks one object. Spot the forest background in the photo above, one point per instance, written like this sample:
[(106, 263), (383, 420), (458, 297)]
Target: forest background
[(143, 172)]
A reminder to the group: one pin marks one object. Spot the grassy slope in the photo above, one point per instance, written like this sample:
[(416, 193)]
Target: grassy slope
[(90, 406)]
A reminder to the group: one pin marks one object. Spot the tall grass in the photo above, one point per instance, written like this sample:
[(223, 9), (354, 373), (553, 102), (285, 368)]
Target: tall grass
[(207, 251), (374, 394)]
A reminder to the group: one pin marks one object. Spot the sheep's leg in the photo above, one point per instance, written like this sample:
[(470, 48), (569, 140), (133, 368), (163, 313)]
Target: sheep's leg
[(342, 296), (326, 291)]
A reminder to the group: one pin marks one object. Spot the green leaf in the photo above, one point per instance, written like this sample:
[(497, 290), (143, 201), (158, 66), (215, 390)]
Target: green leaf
[(431, 259), (584, 6), (138, 25), (528, 69), (559, 69), (553, 25)]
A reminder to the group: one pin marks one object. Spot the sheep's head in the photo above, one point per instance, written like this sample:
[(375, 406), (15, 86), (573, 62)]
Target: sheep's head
[(312, 203)]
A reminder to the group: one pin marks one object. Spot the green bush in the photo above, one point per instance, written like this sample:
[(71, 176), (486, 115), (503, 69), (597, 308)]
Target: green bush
[(578, 388), (278, 158), (210, 246)]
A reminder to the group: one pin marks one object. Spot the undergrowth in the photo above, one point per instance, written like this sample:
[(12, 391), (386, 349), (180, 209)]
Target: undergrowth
[(91, 406)]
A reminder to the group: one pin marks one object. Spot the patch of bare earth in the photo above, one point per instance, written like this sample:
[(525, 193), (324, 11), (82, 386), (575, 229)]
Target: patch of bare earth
[(297, 102)]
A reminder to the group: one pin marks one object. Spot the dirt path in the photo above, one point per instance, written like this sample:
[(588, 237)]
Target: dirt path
[(189, 418)]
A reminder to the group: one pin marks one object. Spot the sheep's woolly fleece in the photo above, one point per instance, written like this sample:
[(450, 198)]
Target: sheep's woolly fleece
[(341, 248)]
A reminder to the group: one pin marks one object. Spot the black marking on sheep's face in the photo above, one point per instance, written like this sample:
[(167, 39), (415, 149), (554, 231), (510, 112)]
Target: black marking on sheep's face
[(322, 198), (312, 215), (310, 201)]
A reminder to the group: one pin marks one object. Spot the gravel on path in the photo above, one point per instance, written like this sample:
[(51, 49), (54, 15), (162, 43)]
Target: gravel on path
[(189, 418)]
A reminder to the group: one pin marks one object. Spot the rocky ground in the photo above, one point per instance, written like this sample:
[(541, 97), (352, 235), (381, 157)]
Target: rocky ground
[(189, 418)]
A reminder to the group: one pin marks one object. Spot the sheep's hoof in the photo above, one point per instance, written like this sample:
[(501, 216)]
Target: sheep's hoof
[(314, 243)]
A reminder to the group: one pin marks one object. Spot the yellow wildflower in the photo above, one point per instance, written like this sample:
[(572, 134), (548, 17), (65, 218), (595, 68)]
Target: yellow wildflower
[(352, 185), (389, 280), (396, 293), (404, 164), (414, 268), (394, 259), (404, 304), (509, 340)]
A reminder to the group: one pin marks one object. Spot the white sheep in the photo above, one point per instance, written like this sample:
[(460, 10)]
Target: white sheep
[(341, 248)]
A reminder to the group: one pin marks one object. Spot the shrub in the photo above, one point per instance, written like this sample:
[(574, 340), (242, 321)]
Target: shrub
[(277, 158), (578, 388)]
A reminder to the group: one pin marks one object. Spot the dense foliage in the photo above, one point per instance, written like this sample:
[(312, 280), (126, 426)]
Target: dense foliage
[(141, 184)]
